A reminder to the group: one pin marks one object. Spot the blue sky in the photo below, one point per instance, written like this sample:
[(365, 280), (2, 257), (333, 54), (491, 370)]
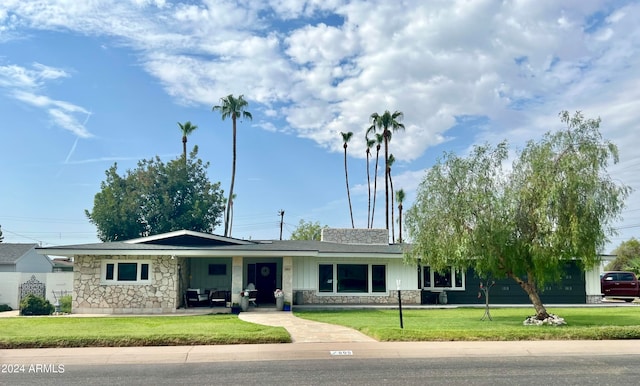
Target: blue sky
[(84, 85)]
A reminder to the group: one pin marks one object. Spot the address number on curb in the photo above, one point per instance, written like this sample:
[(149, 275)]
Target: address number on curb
[(342, 352)]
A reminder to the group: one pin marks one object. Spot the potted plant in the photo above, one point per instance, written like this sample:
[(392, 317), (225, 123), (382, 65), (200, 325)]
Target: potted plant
[(235, 309), (286, 306), (279, 295), (244, 300)]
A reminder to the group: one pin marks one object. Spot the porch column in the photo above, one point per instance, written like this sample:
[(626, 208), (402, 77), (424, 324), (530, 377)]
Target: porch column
[(287, 278), (236, 279)]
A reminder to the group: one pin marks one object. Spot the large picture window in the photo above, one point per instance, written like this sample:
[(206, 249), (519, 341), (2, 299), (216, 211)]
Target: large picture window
[(352, 278), (114, 271), (449, 278)]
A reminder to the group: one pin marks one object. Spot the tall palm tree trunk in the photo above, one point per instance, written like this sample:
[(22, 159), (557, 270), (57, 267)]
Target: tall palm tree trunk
[(346, 176), (184, 148), (386, 179), (233, 180), (400, 222), (393, 230), (375, 186), (368, 191)]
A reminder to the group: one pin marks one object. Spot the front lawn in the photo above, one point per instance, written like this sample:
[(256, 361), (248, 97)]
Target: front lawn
[(465, 324), (34, 332)]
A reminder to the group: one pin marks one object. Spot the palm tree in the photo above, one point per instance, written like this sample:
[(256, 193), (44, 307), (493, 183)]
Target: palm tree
[(231, 213), (379, 141), (400, 198), (388, 123), (370, 143), (234, 108), (346, 137), (390, 162), (186, 130)]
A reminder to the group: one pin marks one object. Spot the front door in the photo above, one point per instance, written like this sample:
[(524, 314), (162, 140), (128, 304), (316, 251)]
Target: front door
[(266, 282)]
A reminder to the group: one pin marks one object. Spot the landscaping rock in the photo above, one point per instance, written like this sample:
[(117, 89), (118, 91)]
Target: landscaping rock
[(552, 320)]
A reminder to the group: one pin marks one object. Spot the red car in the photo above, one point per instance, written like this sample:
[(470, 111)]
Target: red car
[(620, 285)]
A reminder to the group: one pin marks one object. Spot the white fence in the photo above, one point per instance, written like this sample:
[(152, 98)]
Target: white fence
[(54, 281)]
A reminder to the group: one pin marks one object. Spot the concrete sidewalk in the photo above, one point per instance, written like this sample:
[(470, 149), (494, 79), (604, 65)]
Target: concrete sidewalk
[(315, 351), (303, 330)]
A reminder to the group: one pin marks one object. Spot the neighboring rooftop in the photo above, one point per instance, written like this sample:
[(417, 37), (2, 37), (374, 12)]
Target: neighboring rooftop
[(10, 253)]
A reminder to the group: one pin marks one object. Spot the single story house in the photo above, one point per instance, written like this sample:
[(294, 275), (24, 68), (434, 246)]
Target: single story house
[(349, 266), (23, 258)]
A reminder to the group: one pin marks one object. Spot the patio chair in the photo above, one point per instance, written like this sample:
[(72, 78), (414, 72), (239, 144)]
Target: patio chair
[(195, 297), (253, 294)]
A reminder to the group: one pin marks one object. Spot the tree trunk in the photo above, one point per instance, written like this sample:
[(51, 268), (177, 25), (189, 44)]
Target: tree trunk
[(233, 180), (346, 176), (530, 288), (386, 179), (375, 185), (369, 192), (400, 223), (184, 148), (393, 228)]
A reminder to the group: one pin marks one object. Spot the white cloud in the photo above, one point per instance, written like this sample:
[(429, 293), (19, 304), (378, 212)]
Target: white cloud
[(26, 84), (327, 65)]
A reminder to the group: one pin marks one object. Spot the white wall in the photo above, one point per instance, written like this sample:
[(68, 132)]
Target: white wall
[(54, 281), (305, 271)]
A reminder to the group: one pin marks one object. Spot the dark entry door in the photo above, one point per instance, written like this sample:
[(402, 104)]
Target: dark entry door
[(266, 282)]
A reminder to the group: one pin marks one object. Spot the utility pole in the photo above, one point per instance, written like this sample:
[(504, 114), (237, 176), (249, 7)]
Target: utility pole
[(281, 213)]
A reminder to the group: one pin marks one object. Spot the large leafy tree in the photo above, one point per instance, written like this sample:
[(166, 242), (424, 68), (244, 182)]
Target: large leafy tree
[(627, 257), (1, 236), (555, 204), (308, 231), (346, 137), (387, 123), (156, 198), (233, 108), (186, 129)]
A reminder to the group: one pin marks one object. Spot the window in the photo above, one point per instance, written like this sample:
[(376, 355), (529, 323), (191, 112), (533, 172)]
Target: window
[(217, 269), (352, 278), (325, 278), (114, 271), (378, 278), (449, 278)]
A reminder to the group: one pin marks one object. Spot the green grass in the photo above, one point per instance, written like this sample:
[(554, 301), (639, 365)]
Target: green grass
[(36, 332), (383, 325), (465, 324)]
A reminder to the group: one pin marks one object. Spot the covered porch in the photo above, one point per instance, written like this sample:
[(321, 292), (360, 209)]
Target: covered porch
[(219, 281)]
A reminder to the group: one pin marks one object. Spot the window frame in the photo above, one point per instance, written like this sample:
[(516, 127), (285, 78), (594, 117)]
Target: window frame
[(454, 273), (110, 273), (323, 290)]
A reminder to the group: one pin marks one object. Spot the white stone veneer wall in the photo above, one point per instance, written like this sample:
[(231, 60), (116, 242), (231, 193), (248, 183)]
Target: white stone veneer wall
[(356, 236), (408, 297), (92, 297)]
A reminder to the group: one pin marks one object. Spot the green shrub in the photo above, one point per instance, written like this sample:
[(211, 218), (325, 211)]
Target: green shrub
[(5, 307), (65, 304), (35, 305)]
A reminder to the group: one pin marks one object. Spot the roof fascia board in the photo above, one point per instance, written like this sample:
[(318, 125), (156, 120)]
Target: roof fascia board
[(180, 253), (185, 232)]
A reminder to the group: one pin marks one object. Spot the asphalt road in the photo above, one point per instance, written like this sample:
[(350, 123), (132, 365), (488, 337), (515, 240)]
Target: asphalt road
[(345, 370)]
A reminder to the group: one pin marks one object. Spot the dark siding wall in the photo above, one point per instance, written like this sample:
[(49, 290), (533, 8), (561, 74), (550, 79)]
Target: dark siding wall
[(571, 290)]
